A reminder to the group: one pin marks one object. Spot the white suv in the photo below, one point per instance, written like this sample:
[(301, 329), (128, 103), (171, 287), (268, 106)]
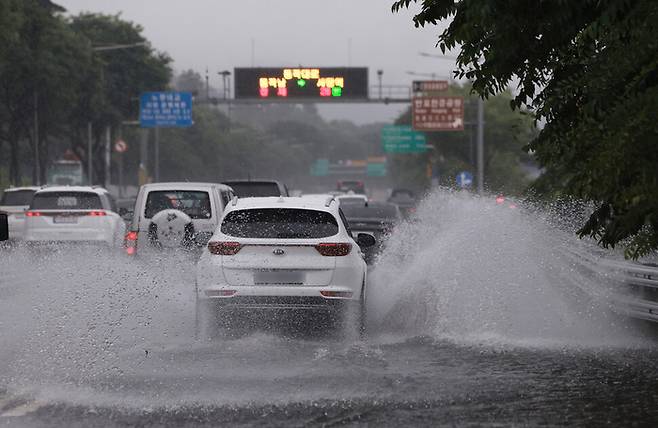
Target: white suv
[(175, 215), (15, 201), (281, 253), (80, 214)]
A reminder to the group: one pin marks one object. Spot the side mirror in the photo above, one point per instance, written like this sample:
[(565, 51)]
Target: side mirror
[(4, 227), (365, 240)]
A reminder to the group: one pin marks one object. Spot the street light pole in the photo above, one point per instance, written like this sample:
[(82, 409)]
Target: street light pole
[(480, 146)]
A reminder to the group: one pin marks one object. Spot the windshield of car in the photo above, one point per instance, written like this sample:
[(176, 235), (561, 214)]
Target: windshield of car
[(66, 201), (283, 223), (375, 211), (250, 189), (17, 197), (194, 203)]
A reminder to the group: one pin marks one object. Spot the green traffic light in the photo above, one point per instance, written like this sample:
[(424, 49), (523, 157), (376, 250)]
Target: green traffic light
[(301, 83), (336, 91)]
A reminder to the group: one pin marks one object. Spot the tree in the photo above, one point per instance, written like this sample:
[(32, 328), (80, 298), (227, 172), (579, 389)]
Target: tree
[(506, 133), (588, 69)]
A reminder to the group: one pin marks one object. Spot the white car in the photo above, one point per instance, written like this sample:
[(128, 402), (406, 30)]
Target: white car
[(175, 215), (352, 198), (15, 201), (282, 253), (73, 214)]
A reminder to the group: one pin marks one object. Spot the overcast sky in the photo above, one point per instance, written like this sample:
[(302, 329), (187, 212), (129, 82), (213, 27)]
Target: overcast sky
[(218, 34)]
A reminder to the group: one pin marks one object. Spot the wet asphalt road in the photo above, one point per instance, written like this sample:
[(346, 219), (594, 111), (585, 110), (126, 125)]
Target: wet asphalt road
[(505, 335)]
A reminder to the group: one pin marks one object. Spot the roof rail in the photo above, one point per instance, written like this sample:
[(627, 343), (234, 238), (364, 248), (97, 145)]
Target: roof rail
[(234, 201), (330, 199)]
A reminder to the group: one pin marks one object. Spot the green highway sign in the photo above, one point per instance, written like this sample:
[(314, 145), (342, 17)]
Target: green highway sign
[(320, 168), (402, 139), (376, 170)]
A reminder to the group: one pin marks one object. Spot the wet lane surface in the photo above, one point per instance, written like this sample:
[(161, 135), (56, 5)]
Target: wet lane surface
[(510, 334)]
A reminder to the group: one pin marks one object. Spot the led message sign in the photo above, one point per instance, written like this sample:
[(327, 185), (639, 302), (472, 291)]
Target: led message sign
[(301, 82)]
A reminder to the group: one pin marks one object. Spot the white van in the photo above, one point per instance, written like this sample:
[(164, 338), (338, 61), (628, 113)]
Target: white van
[(175, 215)]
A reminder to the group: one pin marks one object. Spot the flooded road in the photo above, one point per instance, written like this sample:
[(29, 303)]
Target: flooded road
[(477, 316)]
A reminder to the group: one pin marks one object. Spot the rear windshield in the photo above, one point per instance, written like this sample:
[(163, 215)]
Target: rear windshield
[(387, 211), (282, 223), (66, 201), (349, 200), (17, 197), (255, 189), (195, 204)]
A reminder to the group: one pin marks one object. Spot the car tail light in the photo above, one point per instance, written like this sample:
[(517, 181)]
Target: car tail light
[(33, 213), (334, 249), (220, 293), (97, 213), (130, 243), (336, 294), (224, 248), (500, 199)]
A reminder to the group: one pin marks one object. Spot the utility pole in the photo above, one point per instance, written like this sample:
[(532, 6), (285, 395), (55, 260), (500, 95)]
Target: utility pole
[(108, 152), (156, 155), (480, 145), (89, 154), (37, 163), (379, 79)]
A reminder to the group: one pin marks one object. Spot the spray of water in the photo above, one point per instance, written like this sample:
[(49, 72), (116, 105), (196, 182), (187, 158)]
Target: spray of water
[(468, 269)]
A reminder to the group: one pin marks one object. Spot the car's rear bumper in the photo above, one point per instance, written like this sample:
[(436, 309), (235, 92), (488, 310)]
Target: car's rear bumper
[(278, 303)]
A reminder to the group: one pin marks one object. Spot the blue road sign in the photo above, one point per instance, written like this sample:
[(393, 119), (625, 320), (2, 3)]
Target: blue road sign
[(165, 109), (464, 179)]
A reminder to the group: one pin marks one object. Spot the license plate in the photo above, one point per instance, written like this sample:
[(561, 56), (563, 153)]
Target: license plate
[(65, 219), (278, 277)]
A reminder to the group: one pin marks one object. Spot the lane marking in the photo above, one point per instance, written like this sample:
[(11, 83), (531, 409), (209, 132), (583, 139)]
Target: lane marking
[(23, 409)]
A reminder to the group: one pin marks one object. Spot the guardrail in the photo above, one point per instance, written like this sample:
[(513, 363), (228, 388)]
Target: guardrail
[(633, 286), (640, 297)]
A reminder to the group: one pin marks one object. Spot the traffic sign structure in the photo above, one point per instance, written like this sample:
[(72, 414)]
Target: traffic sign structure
[(329, 84), (320, 168), (120, 146), (429, 85), (165, 109), (402, 139), (464, 179), (430, 113)]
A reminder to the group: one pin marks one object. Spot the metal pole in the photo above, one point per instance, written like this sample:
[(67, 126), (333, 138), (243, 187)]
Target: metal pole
[(108, 144), (156, 156), (89, 154), (37, 165), (480, 146), (379, 78), (120, 175)]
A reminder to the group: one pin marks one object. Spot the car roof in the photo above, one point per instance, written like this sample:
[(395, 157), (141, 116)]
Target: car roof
[(251, 181), (22, 188), (312, 202), (86, 189), (183, 185)]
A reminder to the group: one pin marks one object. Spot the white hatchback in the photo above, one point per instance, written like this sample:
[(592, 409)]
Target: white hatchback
[(73, 214), (282, 253)]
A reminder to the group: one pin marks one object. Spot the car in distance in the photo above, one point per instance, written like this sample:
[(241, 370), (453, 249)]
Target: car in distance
[(282, 254), (73, 214), (356, 186), (176, 215), (405, 199), (377, 219), (352, 198), (257, 188), (15, 201)]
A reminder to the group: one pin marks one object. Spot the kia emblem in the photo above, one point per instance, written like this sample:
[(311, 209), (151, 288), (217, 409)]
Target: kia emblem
[(278, 252)]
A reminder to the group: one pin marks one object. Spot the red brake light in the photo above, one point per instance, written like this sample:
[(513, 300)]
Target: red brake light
[(334, 249), (220, 293), (500, 199), (336, 294), (224, 248), (97, 213), (130, 243), (33, 213)]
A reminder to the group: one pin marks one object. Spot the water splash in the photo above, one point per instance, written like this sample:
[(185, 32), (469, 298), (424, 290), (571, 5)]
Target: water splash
[(469, 269)]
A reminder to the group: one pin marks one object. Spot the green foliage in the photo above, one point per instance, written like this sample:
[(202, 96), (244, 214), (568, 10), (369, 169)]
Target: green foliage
[(506, 132), (588, 69)]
